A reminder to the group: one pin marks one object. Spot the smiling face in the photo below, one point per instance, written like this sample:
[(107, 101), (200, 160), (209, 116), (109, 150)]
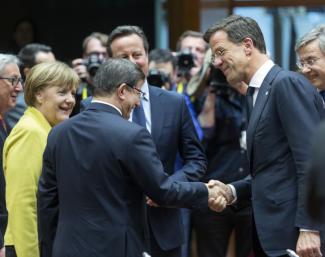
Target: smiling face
[(131, 99), (313, 61), (9, 92), (131, 47), (230, 58), (55, 103)]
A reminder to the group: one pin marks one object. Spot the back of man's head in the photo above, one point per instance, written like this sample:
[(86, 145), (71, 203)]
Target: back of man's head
[(123, 31), (314, 34), (28, 53), (237, 29), (113, 73)]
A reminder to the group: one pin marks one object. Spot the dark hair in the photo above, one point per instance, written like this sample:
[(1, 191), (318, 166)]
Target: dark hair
[(189, 33), (126, 30), (112, 73), (162, 56), (238, 28), (27, 54)]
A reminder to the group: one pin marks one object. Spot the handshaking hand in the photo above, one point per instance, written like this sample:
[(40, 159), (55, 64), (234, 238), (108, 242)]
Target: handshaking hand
[(220, 195)]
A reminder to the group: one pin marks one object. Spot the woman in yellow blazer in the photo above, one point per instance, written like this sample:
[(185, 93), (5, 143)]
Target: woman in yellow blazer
[(49, 94)]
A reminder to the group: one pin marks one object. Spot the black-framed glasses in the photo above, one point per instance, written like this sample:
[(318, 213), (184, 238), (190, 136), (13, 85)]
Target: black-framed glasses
[(138, 91), (13, 80)]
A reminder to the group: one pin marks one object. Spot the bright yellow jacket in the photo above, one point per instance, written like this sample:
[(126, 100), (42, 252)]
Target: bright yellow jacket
[(22, 165)]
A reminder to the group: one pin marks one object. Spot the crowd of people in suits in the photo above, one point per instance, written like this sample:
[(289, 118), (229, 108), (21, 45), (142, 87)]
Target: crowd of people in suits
[(223, 149)]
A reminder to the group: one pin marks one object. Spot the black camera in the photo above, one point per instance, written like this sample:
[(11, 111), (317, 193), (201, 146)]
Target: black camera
[(157, 78), (218, 82), (185, 61), (92, 62)]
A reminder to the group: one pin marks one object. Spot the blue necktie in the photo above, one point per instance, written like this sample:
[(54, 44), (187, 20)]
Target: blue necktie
[(138, 116), (249, 101)]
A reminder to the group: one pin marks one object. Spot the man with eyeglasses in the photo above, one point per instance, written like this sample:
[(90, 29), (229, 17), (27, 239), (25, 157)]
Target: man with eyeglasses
[(10, 86), (165, 115), (311, 51), (284, 110), (91, 204)]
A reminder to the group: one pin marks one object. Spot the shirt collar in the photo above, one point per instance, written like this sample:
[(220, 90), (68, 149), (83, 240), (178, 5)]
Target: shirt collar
[(102, 102), (145, 89), (260, 74)]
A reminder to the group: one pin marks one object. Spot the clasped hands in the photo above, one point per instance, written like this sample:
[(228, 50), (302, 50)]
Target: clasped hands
[(220, 195)]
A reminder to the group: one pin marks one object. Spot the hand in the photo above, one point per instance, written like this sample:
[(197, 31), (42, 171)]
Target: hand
[(308, 244), (3, 252), (151, 202), (217, 204), (227, 193), (80, 69)]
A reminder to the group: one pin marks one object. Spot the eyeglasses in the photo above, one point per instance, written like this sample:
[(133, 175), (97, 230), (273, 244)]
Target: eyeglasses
[(220, 52), (307, 63), (140, 93), (13, 80)]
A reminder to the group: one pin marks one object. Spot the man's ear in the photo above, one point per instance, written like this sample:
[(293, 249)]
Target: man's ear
[(248, 45), (121, 90)]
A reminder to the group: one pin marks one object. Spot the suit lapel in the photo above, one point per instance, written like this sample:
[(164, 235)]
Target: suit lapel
[(157, 112), (261, 100)]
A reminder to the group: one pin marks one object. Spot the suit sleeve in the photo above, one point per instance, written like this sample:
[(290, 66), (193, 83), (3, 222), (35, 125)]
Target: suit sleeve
[(190, 149), (316, 177), (298, 108), (47, 203), (21, 187), (147, 170)]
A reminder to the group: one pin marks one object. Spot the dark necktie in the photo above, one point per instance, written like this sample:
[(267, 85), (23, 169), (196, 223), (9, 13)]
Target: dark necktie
[(138, 116), (249, 101)]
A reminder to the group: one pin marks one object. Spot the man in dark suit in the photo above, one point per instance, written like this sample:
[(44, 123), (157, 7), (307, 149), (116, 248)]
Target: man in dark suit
[(286, 111), (97, 167), (167, 118), (10, 86)]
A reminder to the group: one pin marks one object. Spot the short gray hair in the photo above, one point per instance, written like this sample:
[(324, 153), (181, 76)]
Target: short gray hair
[(6, 59), (114, 72), (316, 33)]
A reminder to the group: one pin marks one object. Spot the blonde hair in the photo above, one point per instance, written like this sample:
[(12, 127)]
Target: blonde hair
[(48, 74)]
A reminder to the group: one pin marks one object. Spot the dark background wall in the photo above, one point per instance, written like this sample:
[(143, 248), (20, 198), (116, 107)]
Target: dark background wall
[(63, 24)]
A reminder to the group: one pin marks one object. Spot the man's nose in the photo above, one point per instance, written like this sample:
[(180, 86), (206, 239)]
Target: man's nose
[(217, 62), (305, 69), (19, 87)]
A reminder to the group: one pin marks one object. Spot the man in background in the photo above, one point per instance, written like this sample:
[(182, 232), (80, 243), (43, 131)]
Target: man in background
[(10, 86), (93, 55), (311, 52)]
